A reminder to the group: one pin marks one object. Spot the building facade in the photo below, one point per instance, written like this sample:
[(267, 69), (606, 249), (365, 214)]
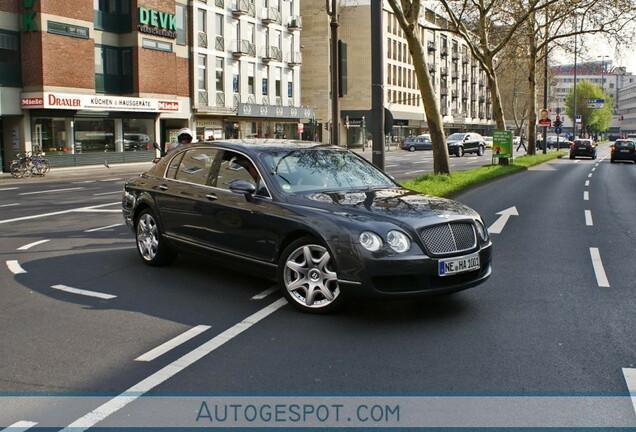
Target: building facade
[(459, 81), (84, 81)]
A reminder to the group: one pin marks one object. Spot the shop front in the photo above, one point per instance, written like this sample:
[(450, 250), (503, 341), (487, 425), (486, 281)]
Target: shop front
[(82, 129)]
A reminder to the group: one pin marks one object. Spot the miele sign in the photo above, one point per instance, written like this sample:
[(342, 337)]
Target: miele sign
[(98, 103)]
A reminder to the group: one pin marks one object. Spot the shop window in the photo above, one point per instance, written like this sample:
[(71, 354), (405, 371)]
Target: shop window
[(51, 135), (94, 135), (138, 135)]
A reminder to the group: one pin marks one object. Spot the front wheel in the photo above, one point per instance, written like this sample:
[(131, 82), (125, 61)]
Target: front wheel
[(308, 278), (151, 246), (480, 151), (412, 148), (460, 152)]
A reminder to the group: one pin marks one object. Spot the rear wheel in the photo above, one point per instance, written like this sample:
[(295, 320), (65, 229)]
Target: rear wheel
[(412, 148), (151, 246), (480, 150), (460, 152), (308, 278)]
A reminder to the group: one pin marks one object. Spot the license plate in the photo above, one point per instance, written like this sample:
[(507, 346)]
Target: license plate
[(625, 151), (458, 265), (582, 148)]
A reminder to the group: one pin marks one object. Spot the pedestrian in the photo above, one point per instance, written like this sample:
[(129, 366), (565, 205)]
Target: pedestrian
[(184, 138), (522, 142)]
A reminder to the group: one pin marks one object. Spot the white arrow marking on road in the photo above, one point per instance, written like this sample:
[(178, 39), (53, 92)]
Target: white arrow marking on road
[(500, 223), (15, 267), (30, 245)]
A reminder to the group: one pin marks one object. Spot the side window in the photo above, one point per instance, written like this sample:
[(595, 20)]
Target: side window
[(195, 166), (235, 166)]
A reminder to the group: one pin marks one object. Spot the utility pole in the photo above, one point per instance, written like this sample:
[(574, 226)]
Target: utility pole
[(576, 29), (545, 83), (377, 84), (332, 11)]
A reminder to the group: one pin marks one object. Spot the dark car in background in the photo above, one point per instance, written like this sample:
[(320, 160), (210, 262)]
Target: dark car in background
[(462, 143), (583, 148), (420, 142), (623, 150), (320, 219)]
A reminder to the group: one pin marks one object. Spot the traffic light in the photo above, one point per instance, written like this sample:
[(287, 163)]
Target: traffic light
[(557, 122)]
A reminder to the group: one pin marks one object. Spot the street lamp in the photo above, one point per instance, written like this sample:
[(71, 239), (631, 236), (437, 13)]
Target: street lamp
[(603, 57)]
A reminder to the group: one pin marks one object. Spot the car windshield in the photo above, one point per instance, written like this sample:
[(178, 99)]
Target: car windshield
[(314, 170), (456, 136)]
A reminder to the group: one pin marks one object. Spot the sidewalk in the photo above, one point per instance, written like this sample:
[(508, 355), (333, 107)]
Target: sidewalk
[(77, 172)]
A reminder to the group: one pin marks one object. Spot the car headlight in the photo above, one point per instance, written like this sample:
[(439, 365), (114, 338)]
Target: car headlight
[(398, 241), (481, 230), (370, 241)]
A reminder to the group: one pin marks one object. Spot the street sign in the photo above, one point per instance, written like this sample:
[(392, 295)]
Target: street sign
[(558, 130), (595, 103)]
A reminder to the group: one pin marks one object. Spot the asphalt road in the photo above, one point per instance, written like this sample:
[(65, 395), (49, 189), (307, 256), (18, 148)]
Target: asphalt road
[(547, 341)]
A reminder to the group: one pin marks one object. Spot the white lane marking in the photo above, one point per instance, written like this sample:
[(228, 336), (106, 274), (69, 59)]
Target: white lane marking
[(586, 196), (51, 191), (588, 218), (107, 193), (30, 245), (265, 293), (601, 278), (14, 267), (103, 228), (72, 290), (91, 210), (498, 226), (593, 169), (59, 213), (20, 426), (590, 175), (9, 188), (587, 183), (9, 205), (172, 343), (630, 379), (138, 390), (111, 179), (415, 172)]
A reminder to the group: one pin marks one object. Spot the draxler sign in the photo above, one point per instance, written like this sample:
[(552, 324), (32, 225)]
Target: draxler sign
[(157, 23)]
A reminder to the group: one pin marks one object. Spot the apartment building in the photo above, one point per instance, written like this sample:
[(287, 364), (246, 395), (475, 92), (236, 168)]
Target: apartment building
[(89, 80), (458, 79)]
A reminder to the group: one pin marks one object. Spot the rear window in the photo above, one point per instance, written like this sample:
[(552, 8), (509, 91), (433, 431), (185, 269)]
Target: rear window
[(624, 144)]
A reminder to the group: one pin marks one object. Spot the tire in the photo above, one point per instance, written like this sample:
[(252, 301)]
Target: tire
[(46, 166), (480, 150), (151, 246), (412, 148), (307, 277), (460, 152)]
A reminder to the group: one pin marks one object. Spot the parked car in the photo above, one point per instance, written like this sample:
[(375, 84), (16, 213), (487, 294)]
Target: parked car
[(583, 147), (462, 143), (558, 142), (420, 142), (320, 219), (623, 150), (488, 140)]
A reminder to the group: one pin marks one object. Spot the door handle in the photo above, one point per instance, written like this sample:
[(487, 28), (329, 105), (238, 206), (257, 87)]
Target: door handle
[(163, 187), (211, 197)]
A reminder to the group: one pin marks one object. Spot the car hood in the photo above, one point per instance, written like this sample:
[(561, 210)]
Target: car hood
[(454, 141), (399, 205)]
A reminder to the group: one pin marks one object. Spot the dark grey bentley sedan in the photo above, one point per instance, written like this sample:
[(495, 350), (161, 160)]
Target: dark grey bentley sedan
[(321, 220)]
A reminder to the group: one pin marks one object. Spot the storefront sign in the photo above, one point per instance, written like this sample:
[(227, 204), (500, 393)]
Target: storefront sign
[(28, 17), (99, 103), (274, 111), (157, 23)]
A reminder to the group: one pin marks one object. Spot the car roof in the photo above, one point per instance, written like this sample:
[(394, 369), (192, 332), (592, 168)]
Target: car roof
[(260, 144)]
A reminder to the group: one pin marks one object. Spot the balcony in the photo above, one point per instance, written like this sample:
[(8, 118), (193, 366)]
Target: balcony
[(444, 51), (443, 71), (295, 23), (431, 46), (244, 48), (273, 54), (295, 59), (464, 95), (270, 15), (202, 40), (465, 77), (219, 43), (203, 98), (243, 7), (431, 67), (455, 56), (454, 94)]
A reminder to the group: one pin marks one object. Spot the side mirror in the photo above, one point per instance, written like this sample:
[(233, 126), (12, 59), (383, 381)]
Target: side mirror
[(162, 153), (242, 187)]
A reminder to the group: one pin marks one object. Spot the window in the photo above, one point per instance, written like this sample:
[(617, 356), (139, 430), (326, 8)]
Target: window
[(278, 82), (10, 60), (113, 69), (202, 20), (156, 45), (265, 81), (180, 16), (202, 80), (195, 166), (219, 75), (236, 78), (112, 15), (250, 78)]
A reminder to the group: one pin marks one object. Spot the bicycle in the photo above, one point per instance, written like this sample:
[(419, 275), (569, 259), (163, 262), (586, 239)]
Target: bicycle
[(26, 165)]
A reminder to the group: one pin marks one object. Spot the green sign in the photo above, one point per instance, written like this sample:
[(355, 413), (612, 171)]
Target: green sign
[(67, 29), (502, 143), (28, 17), (153, 18)]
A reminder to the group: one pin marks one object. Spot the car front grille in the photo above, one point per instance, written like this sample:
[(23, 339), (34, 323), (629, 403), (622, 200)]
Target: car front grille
[(449, 238)]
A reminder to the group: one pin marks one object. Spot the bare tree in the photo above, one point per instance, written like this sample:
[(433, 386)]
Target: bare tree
[(407, 14)]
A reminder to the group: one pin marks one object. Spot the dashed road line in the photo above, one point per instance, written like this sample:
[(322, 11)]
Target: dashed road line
[(172, 343), (30, 245), (586, 196), (51, 191), (107, 193), (599, 270), (139, 389), (588, 218), (103, 228), (72, 290), (20, 426), (10, 205), (94, 208), (14, 267), (265, 293)]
